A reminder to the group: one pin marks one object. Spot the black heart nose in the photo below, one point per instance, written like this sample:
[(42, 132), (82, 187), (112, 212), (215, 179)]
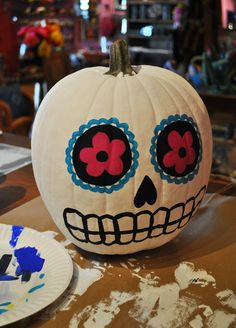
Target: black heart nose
[(146, 193)]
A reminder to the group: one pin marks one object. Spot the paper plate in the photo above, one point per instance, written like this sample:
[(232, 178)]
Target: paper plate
[(34, 271)]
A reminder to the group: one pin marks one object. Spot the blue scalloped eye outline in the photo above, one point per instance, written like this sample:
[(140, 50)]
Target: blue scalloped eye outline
[(157, 131), (134, 146)]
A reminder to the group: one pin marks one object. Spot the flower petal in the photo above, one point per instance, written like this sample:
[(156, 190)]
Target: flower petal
[(170, 158), (114, 167), (175, 140), (187, 139), (180, 165), (117, 147), (88, 155), (95, 169), (190, 157), (114, 164), (101, 142)]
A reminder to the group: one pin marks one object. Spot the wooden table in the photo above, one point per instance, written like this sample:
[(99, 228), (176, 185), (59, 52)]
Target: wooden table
[(222, 110), (19, 186), (189, 282), (219, 103)]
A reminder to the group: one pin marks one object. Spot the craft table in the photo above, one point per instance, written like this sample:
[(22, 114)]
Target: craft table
[(19, 186), (189, 282)]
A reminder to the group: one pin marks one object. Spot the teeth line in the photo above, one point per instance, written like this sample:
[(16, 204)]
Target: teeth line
[(134, 233)]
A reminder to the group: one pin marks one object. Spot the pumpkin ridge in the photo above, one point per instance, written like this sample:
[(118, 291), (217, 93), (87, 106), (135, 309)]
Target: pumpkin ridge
[(176, 104), (113, 115), (51, 168), (190, 91), (155, 118), (41, 119), (95, 98), (130, 111), (160, 193), (198, 105), (159, 79), (169, 82), (149, 97)]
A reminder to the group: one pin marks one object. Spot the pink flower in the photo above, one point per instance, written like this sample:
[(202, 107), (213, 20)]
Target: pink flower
[(182, 153), (104, 155)]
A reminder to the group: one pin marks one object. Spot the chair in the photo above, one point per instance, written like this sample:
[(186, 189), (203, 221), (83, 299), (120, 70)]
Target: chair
[(20, 125)]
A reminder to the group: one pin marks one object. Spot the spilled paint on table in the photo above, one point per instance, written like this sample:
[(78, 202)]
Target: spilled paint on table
[(157, 304)]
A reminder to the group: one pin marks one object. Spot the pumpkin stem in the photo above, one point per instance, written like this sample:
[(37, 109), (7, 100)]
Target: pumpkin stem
[(119, 59)]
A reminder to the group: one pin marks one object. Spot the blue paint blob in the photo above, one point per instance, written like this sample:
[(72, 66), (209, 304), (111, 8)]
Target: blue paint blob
[(29, 259), (18, 271), (5, 304), (42, 275), (35, 288), (5, 277), (16, 231), (2, 311)]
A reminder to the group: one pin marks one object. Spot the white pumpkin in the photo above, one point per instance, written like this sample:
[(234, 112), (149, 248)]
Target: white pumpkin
[(122, 160)]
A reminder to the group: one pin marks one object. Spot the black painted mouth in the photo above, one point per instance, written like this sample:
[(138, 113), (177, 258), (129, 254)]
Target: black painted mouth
[(109, 230)]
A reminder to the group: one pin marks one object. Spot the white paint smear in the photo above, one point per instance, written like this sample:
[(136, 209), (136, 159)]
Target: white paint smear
[(110, 266), (155, 305), (98, 265), (221, 319), (196, 322), (186, 275), (72, 252), (151, 299), (65, 242), (103, 313), (67, 303), (227, 297), (50, 234), (82, 280), (160, 306), (166, 317), (149, 279), (124, 265), (207, 310), (85, 278)]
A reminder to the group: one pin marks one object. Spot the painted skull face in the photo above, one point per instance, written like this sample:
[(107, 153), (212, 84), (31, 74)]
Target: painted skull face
[(122, 162), (143, 185)]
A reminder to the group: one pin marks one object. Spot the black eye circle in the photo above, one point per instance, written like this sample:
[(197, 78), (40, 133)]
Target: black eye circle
[(102, 155), (176, 149)]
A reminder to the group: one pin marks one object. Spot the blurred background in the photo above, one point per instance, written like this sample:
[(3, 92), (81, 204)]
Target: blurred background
[(41, 41)]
